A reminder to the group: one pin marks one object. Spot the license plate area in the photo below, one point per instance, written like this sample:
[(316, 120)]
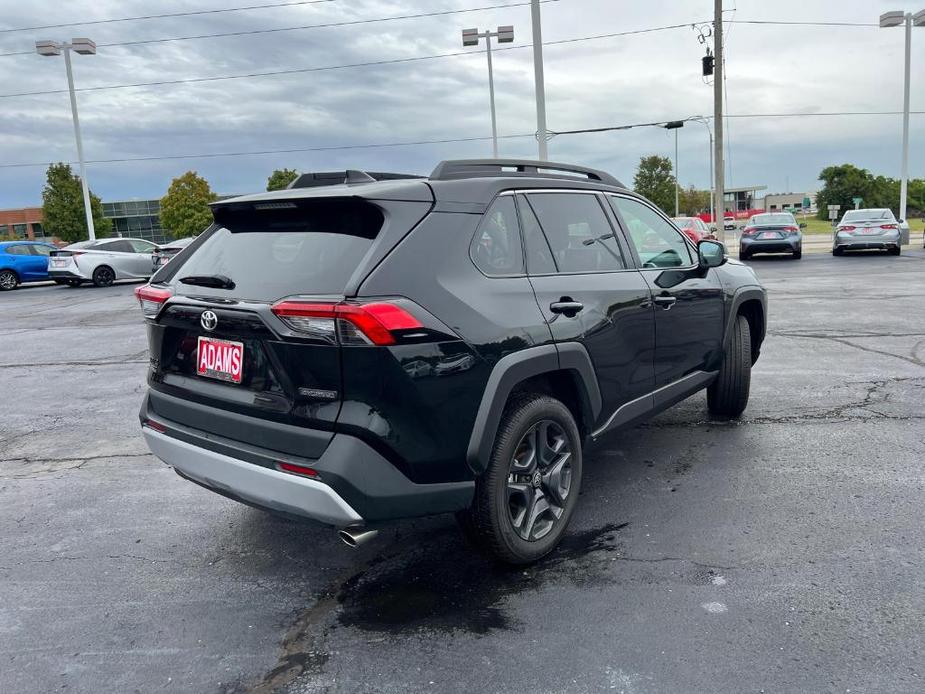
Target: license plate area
[(769, 235), (222, 360), (871, 231), (58, 262)]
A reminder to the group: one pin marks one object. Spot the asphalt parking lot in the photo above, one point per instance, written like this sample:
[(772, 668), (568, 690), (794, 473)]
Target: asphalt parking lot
[(781, 553)]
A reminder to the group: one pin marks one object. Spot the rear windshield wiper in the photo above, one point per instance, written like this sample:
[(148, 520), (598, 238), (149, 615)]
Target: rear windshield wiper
[(214, 281)]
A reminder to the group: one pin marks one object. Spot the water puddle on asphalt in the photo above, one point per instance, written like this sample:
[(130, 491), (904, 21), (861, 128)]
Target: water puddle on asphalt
[(445, 586)]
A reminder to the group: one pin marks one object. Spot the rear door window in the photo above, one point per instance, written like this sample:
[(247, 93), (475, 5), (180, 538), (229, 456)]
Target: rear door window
[(579, 234), (496, 248), (274, 250), (539, 255), (39, 249), (18, 250)]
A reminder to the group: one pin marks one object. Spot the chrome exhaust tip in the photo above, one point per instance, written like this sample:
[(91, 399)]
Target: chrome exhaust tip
[(354, 537)]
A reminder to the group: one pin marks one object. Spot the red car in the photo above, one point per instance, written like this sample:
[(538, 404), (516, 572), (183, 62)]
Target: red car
[(695, 228)]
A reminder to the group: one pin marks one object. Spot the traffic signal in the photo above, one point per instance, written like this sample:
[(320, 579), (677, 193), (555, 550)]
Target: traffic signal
[(707, 65)]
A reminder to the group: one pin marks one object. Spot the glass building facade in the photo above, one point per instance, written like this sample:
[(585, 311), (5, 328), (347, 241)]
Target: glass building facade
[(136, 219)]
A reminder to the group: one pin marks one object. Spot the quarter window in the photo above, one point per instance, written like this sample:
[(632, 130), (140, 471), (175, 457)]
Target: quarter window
[(539, 255), (657, 242), (579, 234), (39, 249), (141, 246), (496, 248), (18, 250)]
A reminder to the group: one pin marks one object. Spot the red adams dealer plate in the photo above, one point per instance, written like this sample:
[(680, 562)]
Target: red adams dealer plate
[(220, 359)]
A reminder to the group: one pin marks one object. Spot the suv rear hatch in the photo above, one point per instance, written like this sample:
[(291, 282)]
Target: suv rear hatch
[(246, 329)]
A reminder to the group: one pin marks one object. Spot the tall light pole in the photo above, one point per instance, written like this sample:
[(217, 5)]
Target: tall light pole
[(719, 193), (706, 124), (675, 125), (539, 81), (471, 37), (83, 47), (895, 19)]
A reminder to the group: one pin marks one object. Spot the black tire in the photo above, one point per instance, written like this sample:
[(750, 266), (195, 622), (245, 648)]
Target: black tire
[(727, 396), (797, 254), (103, 276), (895, 251), (837, 251), (59, 281), (744, 256), (8, 280), (543, 496)]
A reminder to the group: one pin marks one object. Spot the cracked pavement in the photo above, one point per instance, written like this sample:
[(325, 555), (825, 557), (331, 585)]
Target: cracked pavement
[(781, 552)]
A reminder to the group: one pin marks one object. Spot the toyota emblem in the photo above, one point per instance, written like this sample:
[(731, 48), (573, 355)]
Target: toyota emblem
[(208, 320)]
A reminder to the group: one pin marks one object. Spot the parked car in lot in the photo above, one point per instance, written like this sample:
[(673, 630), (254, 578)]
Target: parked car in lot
[(694, 227), (102, 261), (355, 354), (867, 229), (729, 223), (774, 232), (23, 261), (166, 251)]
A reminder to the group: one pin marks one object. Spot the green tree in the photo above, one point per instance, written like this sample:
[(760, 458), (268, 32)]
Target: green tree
[(692, 201), (842, 183), (63, 206), (280, 178), (185, 209), (654, 180)]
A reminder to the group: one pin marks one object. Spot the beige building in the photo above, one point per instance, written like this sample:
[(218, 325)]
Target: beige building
[(776, 202)]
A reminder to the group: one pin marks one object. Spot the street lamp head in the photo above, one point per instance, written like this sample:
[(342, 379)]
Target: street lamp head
[(918, 19), (470, 37), (892, 19), (506, 34), (673, 124), (84, 46), (47, 48)]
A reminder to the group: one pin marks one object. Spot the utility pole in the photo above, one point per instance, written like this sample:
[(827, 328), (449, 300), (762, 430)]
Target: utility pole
[(538, 80), (904, 180), (718, 204)]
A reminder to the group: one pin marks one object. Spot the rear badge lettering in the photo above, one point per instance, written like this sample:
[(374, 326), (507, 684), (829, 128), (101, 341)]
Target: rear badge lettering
[(319, 394)]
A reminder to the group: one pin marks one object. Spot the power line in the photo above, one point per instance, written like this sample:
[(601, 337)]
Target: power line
[(371, 63), (323, 25), (214, 155), (166, 15), (799, 23), (412, 143)]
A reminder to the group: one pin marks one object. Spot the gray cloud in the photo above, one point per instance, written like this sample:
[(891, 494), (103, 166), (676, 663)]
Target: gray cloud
[(610, 81)]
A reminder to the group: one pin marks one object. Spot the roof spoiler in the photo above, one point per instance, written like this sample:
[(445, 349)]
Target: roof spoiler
[(318, 179)]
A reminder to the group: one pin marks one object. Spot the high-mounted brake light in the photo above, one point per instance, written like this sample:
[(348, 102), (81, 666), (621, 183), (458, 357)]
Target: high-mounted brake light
[(371, 323), (151, 299)]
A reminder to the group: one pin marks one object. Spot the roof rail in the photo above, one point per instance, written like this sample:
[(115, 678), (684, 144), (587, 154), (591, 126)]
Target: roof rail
[(318, 179), (473, 168)]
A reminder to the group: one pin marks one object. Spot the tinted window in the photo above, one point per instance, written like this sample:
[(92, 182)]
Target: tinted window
[(121, 246), (772, 219), (39, 249), (578, 232), (539, 256), (314, 247), (658, 243), (496, 246), (18, 250)]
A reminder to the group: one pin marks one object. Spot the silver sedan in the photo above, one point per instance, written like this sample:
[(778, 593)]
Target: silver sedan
[(867, 229), (102, 261)]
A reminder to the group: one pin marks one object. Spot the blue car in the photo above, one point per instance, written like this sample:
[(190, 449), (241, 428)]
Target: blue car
[(23, 261)]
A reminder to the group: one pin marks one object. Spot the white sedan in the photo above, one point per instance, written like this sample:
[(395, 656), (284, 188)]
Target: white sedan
[(102, 261)]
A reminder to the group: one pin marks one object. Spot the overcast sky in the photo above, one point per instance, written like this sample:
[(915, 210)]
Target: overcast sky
[(610, 81)]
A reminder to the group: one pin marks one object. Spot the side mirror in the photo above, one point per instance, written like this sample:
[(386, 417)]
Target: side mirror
[(711, 254), (802, 225)]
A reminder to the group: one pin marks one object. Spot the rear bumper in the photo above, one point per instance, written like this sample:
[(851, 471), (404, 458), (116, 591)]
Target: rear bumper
[(260, 486), (355, 484), (64, 275), (787, 245)]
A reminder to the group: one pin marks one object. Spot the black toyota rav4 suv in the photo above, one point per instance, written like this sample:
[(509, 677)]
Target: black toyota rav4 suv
[(364, 347)]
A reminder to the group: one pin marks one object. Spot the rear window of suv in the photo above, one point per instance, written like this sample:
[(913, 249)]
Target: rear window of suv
[(275, 249)]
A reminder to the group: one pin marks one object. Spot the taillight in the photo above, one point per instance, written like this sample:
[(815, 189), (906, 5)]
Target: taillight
[(151, 299), (847, 228), (748, 231), (791, 228), (352, 324), (889, 226)]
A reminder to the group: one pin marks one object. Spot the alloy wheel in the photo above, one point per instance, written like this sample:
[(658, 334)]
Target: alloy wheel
[(539, 480), (7, 281)]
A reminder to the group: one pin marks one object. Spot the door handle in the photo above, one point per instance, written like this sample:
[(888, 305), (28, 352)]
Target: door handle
[(666, 302), (566, 307)]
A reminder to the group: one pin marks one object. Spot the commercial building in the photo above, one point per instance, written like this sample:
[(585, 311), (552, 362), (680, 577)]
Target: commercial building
[(24, 223), (742, 200), (791, 202), (137, 219)]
